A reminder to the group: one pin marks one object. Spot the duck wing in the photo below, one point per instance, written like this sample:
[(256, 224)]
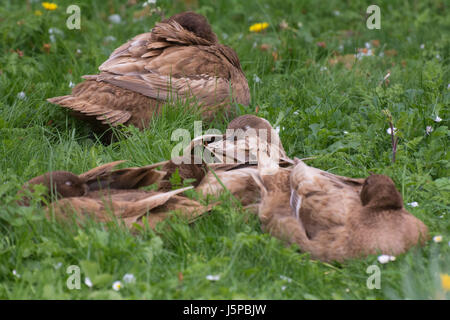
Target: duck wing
[(170, 63), (322, 200)]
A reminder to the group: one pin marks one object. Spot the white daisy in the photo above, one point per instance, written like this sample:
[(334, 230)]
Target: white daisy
[(389, 131), (88, 282), (129, 278), (115, 18), (211, 277), (146, 3), (117, 285), (413, 204), (437, 119), (384, 258), (285, 278), (109, 39), (437, 239), (55, 31), (21, 95)]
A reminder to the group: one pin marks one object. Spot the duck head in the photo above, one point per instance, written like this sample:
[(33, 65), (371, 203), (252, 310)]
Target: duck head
[(195, 23), (379, 192), (63, 183)]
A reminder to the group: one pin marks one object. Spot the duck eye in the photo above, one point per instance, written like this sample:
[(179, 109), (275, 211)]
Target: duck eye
[(68, 183)]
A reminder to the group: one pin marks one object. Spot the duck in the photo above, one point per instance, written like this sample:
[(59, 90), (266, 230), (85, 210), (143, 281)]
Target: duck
[(236, 155), (64, 184), (123, 206), (346, 222), (180, 59), (313, 193), (105, 195)]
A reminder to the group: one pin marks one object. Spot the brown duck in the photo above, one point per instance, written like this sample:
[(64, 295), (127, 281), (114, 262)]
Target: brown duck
[(226, 162), (180, 59), (64, 184), (343, 226), (105, 195)]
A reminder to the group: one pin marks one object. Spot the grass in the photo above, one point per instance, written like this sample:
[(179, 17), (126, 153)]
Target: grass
[(323, 109)]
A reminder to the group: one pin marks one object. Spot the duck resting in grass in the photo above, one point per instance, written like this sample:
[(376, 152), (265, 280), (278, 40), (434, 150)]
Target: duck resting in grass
[(336, 218), (180, 59)]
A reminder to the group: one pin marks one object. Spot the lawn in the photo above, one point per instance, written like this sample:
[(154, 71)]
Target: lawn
[(317, 72)]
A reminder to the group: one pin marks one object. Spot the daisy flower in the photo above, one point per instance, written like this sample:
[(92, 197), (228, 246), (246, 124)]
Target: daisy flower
[(117, 285), (389, 131), (129, 278), (115, 18), (413, 204), (285, 278), (437, 119), (384, 258), (146, 3), (211, 277), (21, 95), (88, 282), (437, 239), (109, 39)]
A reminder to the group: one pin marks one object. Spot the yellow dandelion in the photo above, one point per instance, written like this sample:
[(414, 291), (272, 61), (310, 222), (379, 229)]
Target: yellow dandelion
[(49, 6), (38, 13), (258, 27), (445, 281)]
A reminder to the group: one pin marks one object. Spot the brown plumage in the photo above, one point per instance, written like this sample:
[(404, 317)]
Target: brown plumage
[(58, 184), (241, 125), (127, 206), (180, 59), (320, 199), (237, 156), (105, 195), (63, 184), (343, 223)]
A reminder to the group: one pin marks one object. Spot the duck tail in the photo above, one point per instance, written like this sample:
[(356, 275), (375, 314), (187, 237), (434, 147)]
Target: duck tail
[(82, 102)]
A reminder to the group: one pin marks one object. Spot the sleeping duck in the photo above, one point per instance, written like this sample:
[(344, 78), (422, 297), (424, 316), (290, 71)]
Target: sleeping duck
[(180, 59), (64, 184), (336, 218), (107, 195)]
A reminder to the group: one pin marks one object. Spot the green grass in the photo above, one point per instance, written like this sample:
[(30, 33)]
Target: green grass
[(327, 111)]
